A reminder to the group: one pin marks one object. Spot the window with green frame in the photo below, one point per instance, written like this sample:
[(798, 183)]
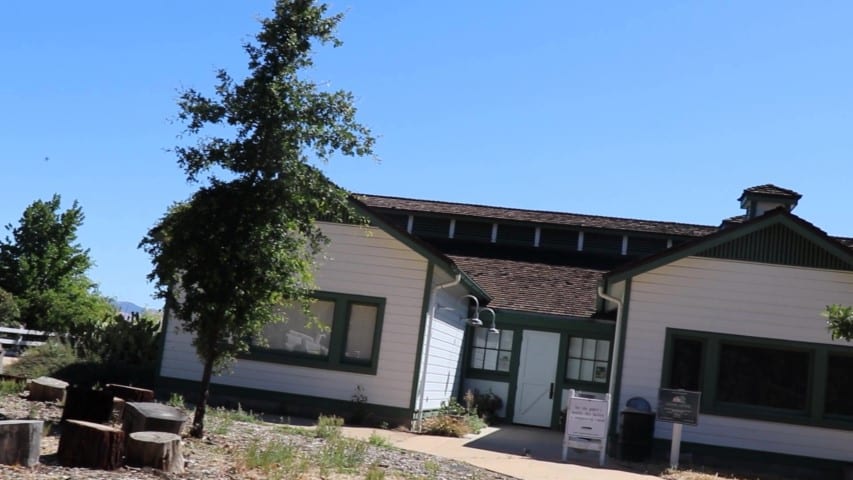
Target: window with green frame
[(778, 380), (588, 360), (342, 333), (491, 352)]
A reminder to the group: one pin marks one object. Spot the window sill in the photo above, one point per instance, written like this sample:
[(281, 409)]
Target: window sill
[(324, 363)]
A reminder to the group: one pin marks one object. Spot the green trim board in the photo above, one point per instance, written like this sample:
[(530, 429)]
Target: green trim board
[(713, 243), (812, 412), (419, 350), (283, 403), (336, 358)]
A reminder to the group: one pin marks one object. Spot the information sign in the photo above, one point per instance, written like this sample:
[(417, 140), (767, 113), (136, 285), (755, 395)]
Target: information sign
[(678, 406)]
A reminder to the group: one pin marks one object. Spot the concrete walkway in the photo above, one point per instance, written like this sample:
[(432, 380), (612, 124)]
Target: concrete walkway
[(522, 452)]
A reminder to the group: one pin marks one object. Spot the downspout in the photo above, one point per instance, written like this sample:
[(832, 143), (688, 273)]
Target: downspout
[(428, 326), (617, 346)]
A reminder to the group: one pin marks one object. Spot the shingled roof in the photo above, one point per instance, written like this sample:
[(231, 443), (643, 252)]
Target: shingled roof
[(534, 287), (772, 190), (534, 216)]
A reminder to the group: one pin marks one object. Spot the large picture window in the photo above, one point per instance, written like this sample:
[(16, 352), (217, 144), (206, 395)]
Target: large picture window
[(491, 352), (343, 334), (776, 380)]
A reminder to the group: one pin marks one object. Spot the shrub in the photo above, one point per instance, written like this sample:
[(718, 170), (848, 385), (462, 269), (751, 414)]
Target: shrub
[(11, 387), (43, 360), (378, 440), (342, 454), (446, 426), (329, 426)]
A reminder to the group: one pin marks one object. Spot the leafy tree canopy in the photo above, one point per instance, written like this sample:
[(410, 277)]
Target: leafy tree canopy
[(44, 268), (839, 321), (244, 243)]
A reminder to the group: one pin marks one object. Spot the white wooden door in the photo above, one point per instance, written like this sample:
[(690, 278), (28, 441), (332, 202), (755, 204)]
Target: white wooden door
[(537, 372)]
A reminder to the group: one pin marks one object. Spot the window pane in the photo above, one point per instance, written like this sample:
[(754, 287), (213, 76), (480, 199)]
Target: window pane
[(477, 356), (588, 348), (480, 337), (573, 370), (491, 360), (506, 340), (686, 364), (491, 338), (600, 372), (575, 347), (503, 361), (298, 334), (602, 350), (586, 370), (839, 385), (763, 376), (362, 326)]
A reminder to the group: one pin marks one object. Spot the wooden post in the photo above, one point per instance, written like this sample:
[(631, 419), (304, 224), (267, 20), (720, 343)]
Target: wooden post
[(20, 442), (47, 389), (144, 417), (675, 449), (90, 445), (86, 404), (131, 394), (159, 450)]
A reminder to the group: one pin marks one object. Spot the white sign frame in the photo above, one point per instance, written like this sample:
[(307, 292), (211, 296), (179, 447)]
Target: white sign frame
[(587, 422)]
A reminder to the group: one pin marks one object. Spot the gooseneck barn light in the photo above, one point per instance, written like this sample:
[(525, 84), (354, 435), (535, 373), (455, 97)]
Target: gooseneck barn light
[(475, 317)]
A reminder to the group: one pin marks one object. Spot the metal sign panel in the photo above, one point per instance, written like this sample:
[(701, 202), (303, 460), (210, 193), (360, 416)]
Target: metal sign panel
[(678, 406)]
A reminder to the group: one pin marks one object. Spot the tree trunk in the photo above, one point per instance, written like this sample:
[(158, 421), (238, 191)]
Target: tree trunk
[(20, 442), (131, 394), (152, 417), (90, 445), (197, 429), (86, 404), (159, 450), (47, 389)]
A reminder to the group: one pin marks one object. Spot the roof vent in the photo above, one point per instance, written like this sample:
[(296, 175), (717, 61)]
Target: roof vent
[(763, 198)]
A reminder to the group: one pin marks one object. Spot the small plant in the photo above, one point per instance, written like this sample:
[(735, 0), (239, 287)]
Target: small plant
[(270, 455), (359, 407), (342, 454), (432, 467), (446, 426), (329, 426), (222, 419), (375, 473), (378, 440), (11, 387), (176, 400)]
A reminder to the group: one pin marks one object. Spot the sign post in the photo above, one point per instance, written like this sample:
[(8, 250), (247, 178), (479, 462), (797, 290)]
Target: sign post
[(678, 407), (587, 417)]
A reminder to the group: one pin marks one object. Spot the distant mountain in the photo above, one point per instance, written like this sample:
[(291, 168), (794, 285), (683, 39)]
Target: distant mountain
[(127, 307)]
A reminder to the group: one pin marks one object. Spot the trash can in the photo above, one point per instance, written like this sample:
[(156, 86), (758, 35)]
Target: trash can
[(636, 431)]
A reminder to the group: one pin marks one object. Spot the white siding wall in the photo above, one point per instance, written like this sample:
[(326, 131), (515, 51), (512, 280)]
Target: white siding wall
[(443, 369), (737, 298), (360, 261)]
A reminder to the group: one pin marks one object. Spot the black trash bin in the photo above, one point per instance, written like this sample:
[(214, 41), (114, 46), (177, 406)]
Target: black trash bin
[(636, 432)]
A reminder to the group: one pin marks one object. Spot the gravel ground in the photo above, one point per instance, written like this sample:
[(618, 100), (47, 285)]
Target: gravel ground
[(219, 454)]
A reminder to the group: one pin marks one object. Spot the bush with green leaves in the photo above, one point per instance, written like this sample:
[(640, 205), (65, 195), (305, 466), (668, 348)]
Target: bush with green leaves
[(43, 360), (10, 314)]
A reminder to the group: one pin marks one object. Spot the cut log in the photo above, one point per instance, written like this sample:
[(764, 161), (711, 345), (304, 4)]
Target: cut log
[(47, 389), (152, 417), (118, 410), (90, 445), (87, 404), (158, 450), (131, 394), (20, 442)]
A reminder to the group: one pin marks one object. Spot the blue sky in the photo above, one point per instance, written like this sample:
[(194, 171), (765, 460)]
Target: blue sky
[(655, 110)]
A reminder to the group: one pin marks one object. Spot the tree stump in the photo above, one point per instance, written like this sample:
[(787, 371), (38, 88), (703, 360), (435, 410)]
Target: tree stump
[(152, 417), (47, 389), (20, 442), (86, 404), (159, 450), (90, 445), (118, 410), (131, 394)]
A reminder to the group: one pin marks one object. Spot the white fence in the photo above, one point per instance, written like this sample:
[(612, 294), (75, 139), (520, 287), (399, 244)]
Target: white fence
[(15, 339)]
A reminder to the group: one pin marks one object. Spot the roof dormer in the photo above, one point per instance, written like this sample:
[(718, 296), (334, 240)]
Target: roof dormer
[(763, 198)]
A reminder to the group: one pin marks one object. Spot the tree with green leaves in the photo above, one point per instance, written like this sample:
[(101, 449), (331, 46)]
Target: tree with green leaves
[(44, 268), (839, 321), (244, 244)]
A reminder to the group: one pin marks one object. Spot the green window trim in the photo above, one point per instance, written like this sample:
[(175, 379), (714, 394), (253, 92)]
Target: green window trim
[(812, 414), (336, 359)]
